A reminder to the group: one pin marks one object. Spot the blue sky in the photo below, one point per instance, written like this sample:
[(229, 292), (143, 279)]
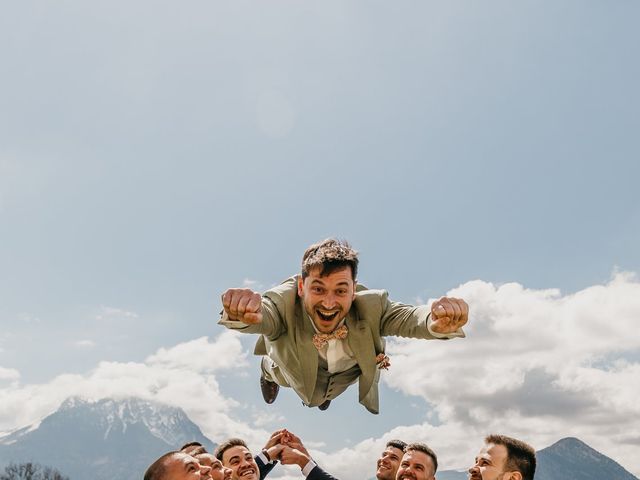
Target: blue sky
[(153, 154)]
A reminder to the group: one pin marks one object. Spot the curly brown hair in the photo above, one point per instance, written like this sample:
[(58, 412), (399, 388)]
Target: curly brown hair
[(330, 255)]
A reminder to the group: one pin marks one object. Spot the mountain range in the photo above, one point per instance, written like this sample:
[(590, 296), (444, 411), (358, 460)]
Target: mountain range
[(117, 440), (102, 440)]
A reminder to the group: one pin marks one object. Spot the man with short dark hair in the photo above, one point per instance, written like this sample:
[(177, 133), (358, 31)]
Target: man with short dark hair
[(419, 462), (504, 458), (264, 461), (177, 466), (389, 461), (193, 448), (235, 454), (321, 332)]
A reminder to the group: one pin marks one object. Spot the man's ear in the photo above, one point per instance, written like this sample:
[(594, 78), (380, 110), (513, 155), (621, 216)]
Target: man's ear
[(300, 284), (355, 288), (515, 475)]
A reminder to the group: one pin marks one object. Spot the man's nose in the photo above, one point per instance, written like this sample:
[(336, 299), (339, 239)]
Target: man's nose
[(329, 300), (473, 469), (204, 470)]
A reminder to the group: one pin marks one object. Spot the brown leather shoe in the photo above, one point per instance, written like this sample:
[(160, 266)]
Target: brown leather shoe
[(324, 405), (269, 390)]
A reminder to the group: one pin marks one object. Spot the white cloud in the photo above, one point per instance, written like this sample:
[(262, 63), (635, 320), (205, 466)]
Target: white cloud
[(182, 376), (536, 364), (113, 313), (265, 419), (202, 356), (29, 319), (85, 344), (9, 374), (252, 284)]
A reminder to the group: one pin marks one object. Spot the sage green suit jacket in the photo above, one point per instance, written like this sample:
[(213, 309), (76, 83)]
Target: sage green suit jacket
[(286, 335)]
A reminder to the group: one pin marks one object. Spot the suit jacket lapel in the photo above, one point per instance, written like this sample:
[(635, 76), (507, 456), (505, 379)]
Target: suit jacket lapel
[(360, 341), (307, 353)]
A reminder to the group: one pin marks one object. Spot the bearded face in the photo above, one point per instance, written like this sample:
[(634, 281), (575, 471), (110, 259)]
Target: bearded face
[(327, 299)]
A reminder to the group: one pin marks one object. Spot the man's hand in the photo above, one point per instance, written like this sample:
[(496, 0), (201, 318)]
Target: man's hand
[(292, 440), (448, 315), (292, 456), (274, 445), (275, 438), (243, 304), (274, 452)]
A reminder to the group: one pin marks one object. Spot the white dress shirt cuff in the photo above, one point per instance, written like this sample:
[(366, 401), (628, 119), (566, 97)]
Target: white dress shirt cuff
[(264, 458), (308, 467)]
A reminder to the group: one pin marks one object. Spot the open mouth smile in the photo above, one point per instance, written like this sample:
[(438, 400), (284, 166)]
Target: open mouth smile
[(327, 315)]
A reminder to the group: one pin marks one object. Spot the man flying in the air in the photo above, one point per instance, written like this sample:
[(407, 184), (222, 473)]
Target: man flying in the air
[(320, 331)]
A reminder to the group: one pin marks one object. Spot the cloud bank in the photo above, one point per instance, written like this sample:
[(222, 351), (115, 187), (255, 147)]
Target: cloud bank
[(536, 364)]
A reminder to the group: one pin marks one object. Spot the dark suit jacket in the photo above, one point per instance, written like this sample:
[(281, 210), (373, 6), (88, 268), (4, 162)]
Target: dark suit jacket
[(264, 468), (319, 474)]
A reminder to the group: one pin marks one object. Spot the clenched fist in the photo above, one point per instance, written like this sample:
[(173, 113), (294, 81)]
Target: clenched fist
[(243, 304), (449, 314)]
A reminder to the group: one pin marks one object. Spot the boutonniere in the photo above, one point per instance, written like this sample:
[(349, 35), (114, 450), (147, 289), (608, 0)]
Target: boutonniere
[(383, 361)]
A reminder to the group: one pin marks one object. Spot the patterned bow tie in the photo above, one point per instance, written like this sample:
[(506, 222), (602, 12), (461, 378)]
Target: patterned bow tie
[(321, 339)]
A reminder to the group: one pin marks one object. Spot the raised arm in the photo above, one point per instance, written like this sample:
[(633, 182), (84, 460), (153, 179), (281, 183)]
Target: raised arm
[(309, 468), (444, 319), (250, 312)]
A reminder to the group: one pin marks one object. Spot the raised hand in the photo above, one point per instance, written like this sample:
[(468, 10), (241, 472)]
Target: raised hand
[(293, 456), (292, 440), (243, 304), (275, 438), (273, 447), (448, 315)]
